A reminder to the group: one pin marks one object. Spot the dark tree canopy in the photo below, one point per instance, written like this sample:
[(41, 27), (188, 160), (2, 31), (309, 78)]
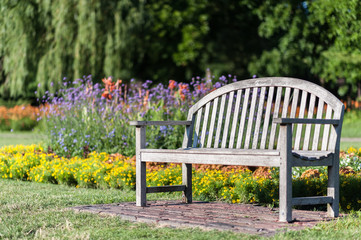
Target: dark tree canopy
[(41, 42)]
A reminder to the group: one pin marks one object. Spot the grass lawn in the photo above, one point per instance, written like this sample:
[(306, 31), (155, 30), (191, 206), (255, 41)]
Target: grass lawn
[(34, 210), (347, 145), (351, 126), (25, 138)]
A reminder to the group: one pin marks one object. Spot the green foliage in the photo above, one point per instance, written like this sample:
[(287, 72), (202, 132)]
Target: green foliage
[(318, 40), (158, 40), (42, 42)]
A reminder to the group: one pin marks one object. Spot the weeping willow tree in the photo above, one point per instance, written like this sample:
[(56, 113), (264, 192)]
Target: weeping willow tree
[(44, 41), (19, 30)]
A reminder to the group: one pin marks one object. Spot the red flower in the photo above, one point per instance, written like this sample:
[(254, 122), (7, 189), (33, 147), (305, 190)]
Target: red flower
[(172, 84)]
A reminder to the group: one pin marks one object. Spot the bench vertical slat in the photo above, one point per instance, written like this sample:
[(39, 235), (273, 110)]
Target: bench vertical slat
[(235, 119), (243, 119), (205, 124), (197, 127), (275, 115), (250, 118), (334, 133), (311, 108), (294, 103), (286, 102), (326, 129), (267, 118), (300, 115), (228, 117), (213, 121), (187, 140), (259, 118), (316, 135), (220, 121)]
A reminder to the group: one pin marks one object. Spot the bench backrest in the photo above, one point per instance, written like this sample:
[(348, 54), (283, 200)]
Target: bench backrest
[(240, 115)]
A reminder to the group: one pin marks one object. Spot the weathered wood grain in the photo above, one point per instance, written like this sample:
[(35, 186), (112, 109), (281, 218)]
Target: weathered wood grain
[(235, 119), (228, 117), (267, 118), (226, 122)]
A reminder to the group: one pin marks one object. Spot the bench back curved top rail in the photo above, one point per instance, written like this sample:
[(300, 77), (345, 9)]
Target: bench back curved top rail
[(310, 87), (240, 115)]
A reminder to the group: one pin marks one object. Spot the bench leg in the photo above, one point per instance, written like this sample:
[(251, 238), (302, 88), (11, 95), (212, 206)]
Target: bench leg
[(187, 181), (285, 188), (285, 193), (140, 188), (333, 187), (141, 181)]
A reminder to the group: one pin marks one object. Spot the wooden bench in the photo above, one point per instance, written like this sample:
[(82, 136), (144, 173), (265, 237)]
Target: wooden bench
[(275, 122)]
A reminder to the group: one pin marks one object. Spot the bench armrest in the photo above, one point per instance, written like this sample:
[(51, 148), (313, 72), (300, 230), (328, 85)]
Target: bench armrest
[(159, 123), (284, 121)]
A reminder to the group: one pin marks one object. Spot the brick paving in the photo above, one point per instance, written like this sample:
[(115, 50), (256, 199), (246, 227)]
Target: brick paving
[(244, 218)]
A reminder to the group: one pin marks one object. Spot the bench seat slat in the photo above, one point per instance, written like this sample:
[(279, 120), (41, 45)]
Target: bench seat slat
[(214, 151), (311, 155), (208, 158), (251, 157)]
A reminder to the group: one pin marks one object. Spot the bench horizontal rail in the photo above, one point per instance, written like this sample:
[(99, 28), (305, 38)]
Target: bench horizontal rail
[(206, 157), (216, 151), (306, 121), (173, 188), (311, 200), (159, 123)]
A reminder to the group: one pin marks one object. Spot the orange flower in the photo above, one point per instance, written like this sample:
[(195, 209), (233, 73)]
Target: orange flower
[(182, 87), (146, 98), (201, 86), (172, 84), (109, 85), (107, 95)]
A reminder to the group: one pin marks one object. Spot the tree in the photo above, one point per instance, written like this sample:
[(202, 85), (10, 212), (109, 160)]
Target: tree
[(340, 63)]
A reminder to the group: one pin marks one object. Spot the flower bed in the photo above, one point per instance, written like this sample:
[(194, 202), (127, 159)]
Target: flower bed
[(231, 184), (86, 117), (18, 118)]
